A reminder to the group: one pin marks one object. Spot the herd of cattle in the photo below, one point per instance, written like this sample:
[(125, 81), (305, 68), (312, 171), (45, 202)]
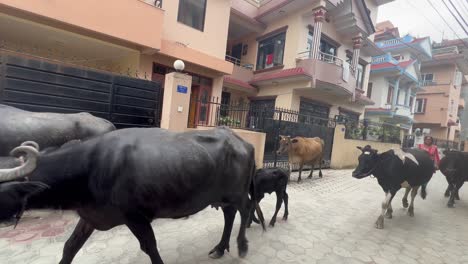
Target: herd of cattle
[(131, 176)]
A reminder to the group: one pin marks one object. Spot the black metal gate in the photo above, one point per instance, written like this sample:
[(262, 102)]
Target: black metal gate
[(40, 85), (276, 122)]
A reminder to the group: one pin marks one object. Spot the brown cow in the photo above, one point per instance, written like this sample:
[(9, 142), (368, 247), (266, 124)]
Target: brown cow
[(302, 151)]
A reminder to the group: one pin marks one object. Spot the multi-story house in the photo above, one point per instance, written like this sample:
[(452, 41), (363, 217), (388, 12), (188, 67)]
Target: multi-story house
[(395, 76), (310, 56), (138, 38), (437, 106)]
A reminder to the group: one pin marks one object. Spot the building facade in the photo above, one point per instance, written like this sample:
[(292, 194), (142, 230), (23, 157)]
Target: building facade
[(309, 56), (438, 105), (396, 76)]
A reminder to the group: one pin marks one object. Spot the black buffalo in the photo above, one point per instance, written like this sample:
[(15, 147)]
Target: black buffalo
[(454, 165), (46, 129), (395, 169), (132, 176), (271, 180)]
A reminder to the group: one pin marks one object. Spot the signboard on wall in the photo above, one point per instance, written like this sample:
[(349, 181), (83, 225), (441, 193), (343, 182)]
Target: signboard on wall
[(182, 89)]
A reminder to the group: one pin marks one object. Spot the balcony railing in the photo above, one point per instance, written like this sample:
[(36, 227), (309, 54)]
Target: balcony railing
[(434, 83), (328, 58), (453, 50), (383, 59), (238, 62)]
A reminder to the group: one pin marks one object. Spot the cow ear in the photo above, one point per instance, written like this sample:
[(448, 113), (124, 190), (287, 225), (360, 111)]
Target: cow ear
[(294, 141), (360, 148)]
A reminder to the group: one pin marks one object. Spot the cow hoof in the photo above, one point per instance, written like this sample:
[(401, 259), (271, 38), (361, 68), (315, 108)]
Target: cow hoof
[(310, 177), (272, 224), (405, 203), (243, 248), (217, 253), (388, 215), (299, 181), (379, 224), (285, 218), (411, 212), (447, 194), (450, 205), (457, 197)]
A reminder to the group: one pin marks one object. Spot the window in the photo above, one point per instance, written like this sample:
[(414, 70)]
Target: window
[(350, 116), (327, 48), (309, 108), (369, 90), (360, 75), (428, 79), (390, 94), (271, 51), (420, 106), (192, 13), (411, 102), (458, 78), (225, 101)]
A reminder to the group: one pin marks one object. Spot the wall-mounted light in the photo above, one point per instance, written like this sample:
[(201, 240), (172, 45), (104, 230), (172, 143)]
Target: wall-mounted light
[(179, 65)]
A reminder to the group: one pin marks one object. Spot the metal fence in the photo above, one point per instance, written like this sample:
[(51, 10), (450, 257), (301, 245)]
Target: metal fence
[(269, 120), (372, 131)]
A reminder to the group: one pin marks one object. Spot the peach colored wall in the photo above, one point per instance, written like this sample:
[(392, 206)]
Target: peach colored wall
[(113, 20), (257, 140), (246, 7), (214, 36), (438, 109), (345, 154)]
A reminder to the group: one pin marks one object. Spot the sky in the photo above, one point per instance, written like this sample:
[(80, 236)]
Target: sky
[(419, 19)]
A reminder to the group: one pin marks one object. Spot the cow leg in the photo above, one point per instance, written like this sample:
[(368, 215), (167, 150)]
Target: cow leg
[(320, 167), (405, 197), (290, 172), (385, 204), (414, 192), (453, 193), (457, 196), (82, 232), (242, 243), (142, 230), (286, 210), (311, 172), (279, 201), (300, 172), (252, 214), (447, 192), (229, 215)]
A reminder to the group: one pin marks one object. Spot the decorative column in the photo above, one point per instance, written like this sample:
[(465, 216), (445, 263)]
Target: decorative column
[(319, 17), (396, 88), (407, 96), (357, 44)]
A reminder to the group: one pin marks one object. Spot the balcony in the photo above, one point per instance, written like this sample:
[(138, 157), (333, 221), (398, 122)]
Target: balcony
[(403, 111), (329, 73), (241, 75), (115, 22)]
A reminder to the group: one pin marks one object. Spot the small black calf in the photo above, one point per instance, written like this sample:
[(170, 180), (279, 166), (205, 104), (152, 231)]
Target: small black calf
[(267, 181)]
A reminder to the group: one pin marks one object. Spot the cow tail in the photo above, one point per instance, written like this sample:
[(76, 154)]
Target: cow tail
[(423, 191), (254, 196)]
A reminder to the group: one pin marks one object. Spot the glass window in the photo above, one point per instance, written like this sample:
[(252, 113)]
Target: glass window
[(369, 90), (192, 13), (390, 94), (428, 78), (360, 76), (271, 51), (420, 106), (328, 49), (313, 109)]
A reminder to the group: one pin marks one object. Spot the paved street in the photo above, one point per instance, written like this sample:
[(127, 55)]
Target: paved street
[(331, 221)]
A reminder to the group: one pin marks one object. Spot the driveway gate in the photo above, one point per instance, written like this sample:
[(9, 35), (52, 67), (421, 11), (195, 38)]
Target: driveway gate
[(42, 86)]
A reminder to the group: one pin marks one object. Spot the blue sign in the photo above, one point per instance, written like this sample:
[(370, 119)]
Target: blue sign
[(181, 89)]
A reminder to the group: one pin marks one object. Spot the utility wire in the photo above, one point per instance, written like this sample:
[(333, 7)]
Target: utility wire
[(454, 16), (458, 12), (440, 15)]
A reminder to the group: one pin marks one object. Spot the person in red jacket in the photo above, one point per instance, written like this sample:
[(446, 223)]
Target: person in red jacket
[(434, 153)]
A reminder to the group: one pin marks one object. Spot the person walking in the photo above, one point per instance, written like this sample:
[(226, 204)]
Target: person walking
[(433, 151)]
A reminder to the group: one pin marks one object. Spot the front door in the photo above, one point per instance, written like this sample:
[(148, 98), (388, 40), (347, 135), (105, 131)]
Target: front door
[(199, 113)]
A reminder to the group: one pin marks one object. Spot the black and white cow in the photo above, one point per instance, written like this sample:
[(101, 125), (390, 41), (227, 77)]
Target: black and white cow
[(395, 169), (271, 180), (454, 165)]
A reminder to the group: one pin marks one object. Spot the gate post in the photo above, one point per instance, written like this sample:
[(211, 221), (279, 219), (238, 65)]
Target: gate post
[(277, 136), (176, 101)]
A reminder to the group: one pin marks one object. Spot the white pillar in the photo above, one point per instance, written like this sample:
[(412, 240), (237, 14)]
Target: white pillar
[(407, 96), (319, 17)]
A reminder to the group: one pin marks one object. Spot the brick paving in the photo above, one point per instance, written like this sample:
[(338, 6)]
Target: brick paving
[(331, 220)]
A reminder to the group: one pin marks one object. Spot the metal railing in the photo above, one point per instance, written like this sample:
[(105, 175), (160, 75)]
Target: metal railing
[(372, 131), (325, 57), (453, 50), (233, 60)]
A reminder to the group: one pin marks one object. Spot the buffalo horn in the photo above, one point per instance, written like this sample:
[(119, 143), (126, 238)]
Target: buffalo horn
[(31, 144), (23, 170)]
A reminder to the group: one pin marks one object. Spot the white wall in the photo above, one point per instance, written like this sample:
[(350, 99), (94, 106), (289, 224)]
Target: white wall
[(379, 91)]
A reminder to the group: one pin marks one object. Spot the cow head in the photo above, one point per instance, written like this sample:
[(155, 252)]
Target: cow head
[(284, 145), (367, 162), (448, 164)]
